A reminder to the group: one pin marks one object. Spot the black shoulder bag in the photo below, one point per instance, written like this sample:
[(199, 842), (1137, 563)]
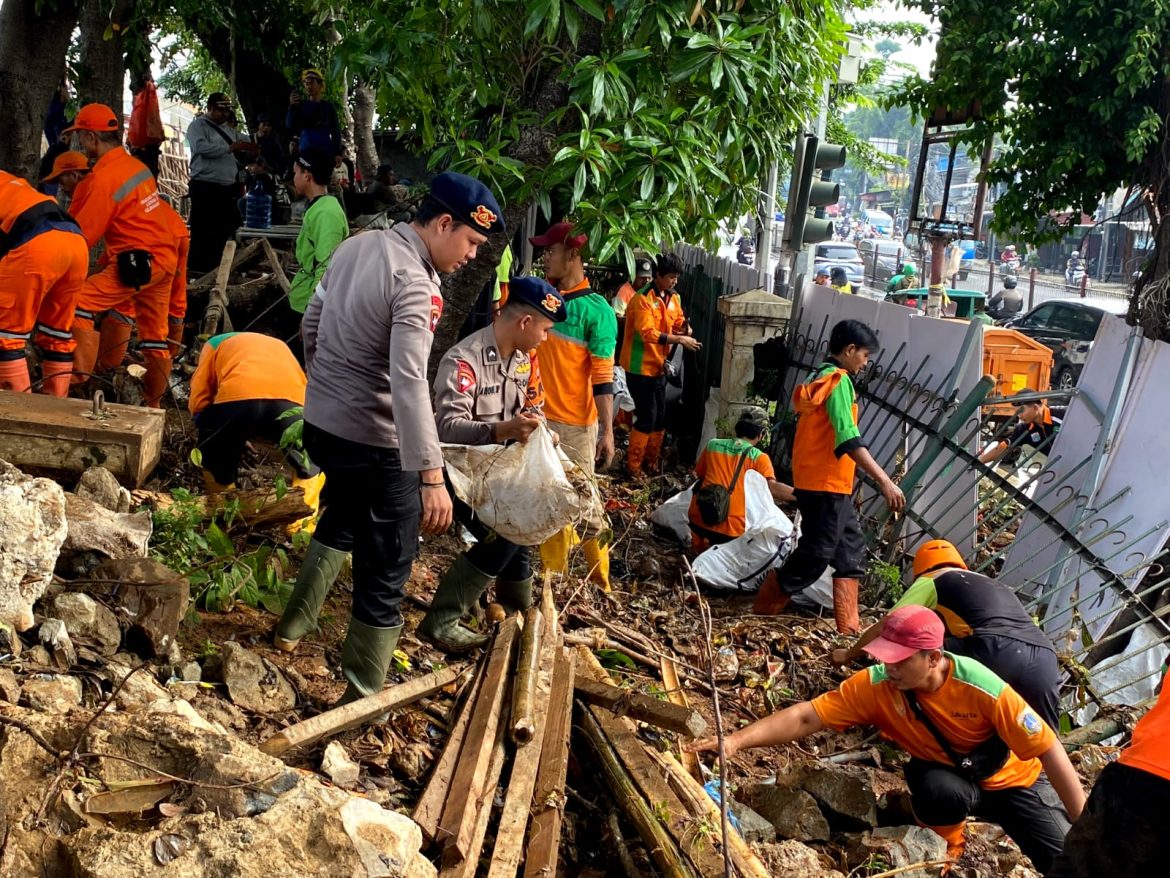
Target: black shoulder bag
[(981, 763), (714, 501)]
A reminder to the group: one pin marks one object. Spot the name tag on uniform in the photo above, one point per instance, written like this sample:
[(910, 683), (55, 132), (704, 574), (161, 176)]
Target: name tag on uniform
[(488, 391)]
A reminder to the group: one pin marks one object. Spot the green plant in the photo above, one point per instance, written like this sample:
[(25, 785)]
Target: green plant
[(883, 583)]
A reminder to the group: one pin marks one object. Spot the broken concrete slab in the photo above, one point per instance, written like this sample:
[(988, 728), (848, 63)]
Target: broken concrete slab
[(99, 485), (793, 813), (254, 683), (32, 531), (902, 846), (752, 826), (87, 620), (95, 529), (846, 796), (52, 693), (337, 765), (150, 597), (54, 636)]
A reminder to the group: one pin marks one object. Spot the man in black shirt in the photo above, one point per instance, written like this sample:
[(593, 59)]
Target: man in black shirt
[(985, 621), (1034, 431)]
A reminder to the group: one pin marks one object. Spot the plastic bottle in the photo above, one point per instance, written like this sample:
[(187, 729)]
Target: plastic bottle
[(258, 209)]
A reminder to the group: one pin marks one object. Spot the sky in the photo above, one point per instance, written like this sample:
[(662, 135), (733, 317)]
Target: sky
[(920, 56)]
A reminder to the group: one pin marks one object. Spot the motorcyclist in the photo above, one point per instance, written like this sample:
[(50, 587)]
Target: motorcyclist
[(1074, 269), (1006, 302), (1010, 259), (904, 280)]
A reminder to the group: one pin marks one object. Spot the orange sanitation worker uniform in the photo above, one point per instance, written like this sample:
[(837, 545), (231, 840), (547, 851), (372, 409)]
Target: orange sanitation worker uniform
[(119, 202), (43, 262)]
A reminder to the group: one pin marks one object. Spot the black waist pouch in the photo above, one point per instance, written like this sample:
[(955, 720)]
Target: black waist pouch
[(134, 268)]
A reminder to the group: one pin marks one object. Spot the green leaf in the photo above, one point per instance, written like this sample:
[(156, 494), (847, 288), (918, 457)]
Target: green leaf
[(612, 659), (591, 8), (219, 542)]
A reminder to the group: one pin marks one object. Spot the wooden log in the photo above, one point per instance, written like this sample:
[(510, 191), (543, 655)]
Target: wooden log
[(577, 638), (618, 845), (45, 435), (240, 256), (258, 508), (277, 268), (509, 847), (347, 716), (544, 833), (466, 868), (429, 808), (702, 806), (663, 850), (458, 822), (677, 695), (527, 668), (217, 301), (635, 705)]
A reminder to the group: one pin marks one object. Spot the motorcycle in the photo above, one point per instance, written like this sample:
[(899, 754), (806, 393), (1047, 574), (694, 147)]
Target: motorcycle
[(1074, 274)]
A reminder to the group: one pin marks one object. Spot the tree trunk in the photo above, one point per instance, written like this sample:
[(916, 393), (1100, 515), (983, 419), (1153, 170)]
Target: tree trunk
[(260, 87), (364, 105), (32, 65), (102, 69), (346, 116)]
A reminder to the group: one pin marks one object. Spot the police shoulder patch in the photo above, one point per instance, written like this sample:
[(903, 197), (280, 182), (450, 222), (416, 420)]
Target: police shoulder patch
[(464, 376), (1030, 722)]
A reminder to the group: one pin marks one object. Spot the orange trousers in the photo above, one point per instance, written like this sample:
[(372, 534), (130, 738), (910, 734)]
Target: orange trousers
[(40, 282), (116, 339)]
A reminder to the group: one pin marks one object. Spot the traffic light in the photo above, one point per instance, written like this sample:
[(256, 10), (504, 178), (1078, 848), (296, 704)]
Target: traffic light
[(807, 191)]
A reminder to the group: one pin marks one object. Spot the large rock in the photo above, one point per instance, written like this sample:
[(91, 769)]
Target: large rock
[(99, 485), (54, 636), (752, 826), (87, 620), (791, 857), (254, 683), (32, 529), (846, 796), (138, 688), (793, 813), (336, 763), (9, 686), (149, 596), (95, 530), (52, 693), (901, 846)]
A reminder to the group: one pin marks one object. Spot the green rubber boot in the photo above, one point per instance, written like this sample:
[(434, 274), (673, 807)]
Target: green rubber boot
[(458, 591), (365, 658), (515, 596), (318, 573)]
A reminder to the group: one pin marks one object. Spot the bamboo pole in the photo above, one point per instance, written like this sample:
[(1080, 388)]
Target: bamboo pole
[(527, 667), (665, 853), (357, 712), (643, 708), (675, 692), (544, 833)]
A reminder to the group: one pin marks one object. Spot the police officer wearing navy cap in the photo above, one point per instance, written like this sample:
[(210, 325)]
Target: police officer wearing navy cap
[(487, 391), (368, 419)]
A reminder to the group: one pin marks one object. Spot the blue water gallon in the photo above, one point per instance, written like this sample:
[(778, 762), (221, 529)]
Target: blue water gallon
[(258, 209)]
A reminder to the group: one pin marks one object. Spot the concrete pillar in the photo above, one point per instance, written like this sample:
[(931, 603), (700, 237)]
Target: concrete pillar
[(748, 318)]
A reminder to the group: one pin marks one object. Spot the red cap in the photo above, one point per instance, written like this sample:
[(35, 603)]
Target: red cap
[(94, 117), (558, 233), (907, 630)]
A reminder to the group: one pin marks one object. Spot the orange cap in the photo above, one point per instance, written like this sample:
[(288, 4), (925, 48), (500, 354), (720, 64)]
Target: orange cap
[(65, 162), (935, 554), (95, 117)]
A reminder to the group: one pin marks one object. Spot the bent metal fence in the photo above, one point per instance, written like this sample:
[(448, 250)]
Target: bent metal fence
[(1077, 528)]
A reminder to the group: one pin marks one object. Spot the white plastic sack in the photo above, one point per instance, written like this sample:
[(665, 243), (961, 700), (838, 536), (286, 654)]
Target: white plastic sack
[(622, 401), (742, 564), (521, 491)]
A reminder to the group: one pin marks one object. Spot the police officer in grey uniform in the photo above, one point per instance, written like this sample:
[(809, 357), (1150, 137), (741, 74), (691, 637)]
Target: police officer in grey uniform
[(486, 393), (368, 419)]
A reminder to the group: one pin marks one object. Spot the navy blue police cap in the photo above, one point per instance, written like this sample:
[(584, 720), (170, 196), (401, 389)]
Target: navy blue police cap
[(469, 201), (538, 294)]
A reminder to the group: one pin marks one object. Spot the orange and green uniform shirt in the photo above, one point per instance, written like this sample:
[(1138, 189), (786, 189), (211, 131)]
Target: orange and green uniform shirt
[(826, 432), (237, 366), (716, 466), (576, 360), (972, 705), (1150, 748), (650, 318)]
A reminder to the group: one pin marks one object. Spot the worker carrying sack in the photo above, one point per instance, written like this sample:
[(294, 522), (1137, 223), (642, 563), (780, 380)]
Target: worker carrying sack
[(714, 500)]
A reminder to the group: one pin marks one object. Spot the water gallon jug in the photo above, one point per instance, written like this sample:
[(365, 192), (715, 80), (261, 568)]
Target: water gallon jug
[(258, 209)]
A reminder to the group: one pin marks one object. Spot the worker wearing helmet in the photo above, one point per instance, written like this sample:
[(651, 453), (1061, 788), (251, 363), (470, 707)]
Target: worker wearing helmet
[(904, 280), (985, 621), (839, 280)]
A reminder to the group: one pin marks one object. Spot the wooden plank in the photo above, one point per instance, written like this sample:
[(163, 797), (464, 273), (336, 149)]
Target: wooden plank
[(458, 822), (347, 716), (62, 437), (635, 705), (240, 257), (430, 805), (544, 833), (277, 268), (466, 868), (677, 695), (509, 846)]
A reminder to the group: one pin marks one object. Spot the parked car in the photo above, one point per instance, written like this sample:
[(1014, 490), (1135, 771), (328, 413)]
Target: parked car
[(836, 253), (883, 259), (1068, 326)]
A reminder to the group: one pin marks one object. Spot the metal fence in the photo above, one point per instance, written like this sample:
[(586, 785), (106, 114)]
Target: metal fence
[(1085, 553)]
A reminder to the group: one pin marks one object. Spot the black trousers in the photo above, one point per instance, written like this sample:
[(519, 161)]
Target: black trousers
[(1030, 669), (649, 393), (372, 509), (225, 427), (1033, 816), (492, 554), (214, 219), (1122, 831), (829, 536)]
